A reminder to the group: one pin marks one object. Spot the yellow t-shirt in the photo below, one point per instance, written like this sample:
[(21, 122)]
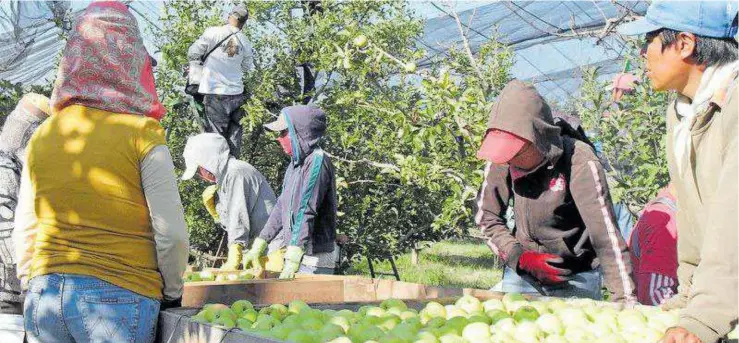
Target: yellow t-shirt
[(93, 218)]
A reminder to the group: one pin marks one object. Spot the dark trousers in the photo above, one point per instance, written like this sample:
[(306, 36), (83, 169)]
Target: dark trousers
[(223, 114)]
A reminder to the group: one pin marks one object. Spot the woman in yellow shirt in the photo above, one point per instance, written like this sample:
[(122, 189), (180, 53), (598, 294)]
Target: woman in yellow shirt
[(100, 231)]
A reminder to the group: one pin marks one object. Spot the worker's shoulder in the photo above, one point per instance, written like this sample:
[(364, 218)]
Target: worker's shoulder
[(242, 169), (579, 151)]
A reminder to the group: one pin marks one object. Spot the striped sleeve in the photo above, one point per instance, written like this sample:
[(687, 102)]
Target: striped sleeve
[(590, 193), (490, 217), (655, 289)]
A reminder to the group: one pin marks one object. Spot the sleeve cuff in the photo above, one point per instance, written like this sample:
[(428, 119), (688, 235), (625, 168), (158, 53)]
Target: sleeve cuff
[(513, 256), (706, 334)]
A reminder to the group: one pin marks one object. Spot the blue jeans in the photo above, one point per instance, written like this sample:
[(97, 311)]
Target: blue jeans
[(582, 285), (76, 308)]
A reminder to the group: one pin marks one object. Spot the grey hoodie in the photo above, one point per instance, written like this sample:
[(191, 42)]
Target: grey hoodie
[(245, 198), (306, 209)]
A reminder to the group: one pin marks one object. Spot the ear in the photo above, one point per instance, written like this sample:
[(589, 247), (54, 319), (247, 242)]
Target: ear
[(686, 44)]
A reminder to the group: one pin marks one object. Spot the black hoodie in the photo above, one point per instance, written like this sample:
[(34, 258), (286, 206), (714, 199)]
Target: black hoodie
[(562, 207)]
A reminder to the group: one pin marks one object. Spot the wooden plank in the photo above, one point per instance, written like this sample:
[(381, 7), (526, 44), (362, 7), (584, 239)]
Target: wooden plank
[(264, 292)]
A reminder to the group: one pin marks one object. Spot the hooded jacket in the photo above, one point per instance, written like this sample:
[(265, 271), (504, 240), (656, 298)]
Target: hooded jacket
[(306, 209), (561, 207), (245, 198), (31, 111), (705, 182)]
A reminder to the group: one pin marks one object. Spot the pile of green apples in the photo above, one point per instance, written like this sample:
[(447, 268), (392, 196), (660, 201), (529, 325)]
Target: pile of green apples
[(208, 275), (512, 319)]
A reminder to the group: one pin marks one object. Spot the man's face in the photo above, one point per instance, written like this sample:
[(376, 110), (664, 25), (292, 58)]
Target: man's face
[(528, 158), (667, 70), (206, 175)]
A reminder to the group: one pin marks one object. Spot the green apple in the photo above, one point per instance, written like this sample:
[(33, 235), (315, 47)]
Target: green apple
[(577, 334), (469, 304), (244, 324), (195, 277), (387, 323), (300, 336), (394, 311), (340, 321), (207, 275), (240, 306), (496, 315), (245, 276), (434, 309), (512, 307), (571, 316), (342, 339), (393, 303), (613, 338), (409, 67), (526, 313), (221, 277), (451, 338), (404, 332), (281, 331), (227, 313), (600, 329), (425, 337), (454, 311), (436, 322), (556, 304), (476, 332), (210, 311), (528, 332), (493, 304), (550, 324), (554, 339), (200, 317), (414, 323), (311, 324), (226, 321), (296, 306), (512, 297), (250, 314), (329, 332), (458, 323), (407, 314), (505, 325), (540, 306), (631, 320), (480, 319), (360, 41), (375, 311)]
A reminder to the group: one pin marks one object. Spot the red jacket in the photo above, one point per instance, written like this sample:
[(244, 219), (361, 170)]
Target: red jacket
[(653, 245)]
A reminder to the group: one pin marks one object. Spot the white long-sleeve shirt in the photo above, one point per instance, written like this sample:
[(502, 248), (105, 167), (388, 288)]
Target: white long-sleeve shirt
[(165, 210), (225, 67)]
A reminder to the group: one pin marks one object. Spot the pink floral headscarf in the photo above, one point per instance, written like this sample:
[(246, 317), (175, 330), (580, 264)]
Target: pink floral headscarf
[(106, 66)]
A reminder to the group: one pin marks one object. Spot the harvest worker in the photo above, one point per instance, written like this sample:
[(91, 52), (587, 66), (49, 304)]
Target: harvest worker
[(565, 230), (690, 49), (653, 246), (31, 111), (100, 233), (304, 218), (225, 54), (241, 199)]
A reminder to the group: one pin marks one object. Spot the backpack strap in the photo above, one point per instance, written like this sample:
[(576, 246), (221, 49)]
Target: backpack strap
[(205, 57)]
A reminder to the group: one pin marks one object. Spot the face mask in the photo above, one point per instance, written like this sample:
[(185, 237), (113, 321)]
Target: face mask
[(284, 140)]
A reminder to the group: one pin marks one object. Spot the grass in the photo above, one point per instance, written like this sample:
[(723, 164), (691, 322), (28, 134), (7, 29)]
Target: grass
[(465, 263)]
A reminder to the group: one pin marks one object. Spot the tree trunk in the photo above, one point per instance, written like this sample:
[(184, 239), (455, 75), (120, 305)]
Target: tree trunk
[(414, 256)]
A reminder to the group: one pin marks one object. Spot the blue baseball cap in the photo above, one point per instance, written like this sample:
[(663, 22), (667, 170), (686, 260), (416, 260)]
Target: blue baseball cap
[(709, 18)]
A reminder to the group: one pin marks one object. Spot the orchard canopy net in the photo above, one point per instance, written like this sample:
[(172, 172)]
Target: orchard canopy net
[(553, 40)]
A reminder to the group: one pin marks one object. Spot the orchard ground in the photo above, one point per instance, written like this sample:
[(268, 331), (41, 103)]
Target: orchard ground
[(455, 263)]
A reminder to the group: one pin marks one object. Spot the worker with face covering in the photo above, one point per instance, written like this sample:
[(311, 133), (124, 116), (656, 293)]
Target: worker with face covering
[(565, 231), (304, 219), (31, 111), (100, 235), (240, 199)]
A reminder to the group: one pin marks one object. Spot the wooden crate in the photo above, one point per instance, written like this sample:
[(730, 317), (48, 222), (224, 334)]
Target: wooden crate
[(319, 289)]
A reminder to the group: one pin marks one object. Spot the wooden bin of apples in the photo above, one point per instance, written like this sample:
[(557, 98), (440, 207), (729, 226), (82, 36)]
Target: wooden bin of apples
[(509, 318)]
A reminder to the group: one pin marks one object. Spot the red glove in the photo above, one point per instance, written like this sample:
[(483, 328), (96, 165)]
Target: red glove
[(540, 266)]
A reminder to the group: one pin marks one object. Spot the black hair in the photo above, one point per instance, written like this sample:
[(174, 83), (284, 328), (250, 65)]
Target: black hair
[(708, 51)]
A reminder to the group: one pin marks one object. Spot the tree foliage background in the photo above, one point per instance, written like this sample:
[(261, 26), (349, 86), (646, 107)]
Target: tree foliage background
[(403, 142), (631, 132)]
